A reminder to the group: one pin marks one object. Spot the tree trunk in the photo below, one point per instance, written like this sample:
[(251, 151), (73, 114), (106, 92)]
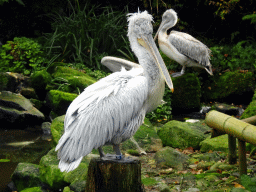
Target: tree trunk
[(114, 175)]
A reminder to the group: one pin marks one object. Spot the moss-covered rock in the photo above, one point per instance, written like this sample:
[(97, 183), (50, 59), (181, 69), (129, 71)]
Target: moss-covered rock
[(221, 86), (219, 143), (186, 95), (51, 174), (181, 135), (8, 82), (59, 101), (70, 79), (39, 81), (146, 137), (57, 128), (169, 157), (250, 110), (33, 189), (26, 175), (17, 109)]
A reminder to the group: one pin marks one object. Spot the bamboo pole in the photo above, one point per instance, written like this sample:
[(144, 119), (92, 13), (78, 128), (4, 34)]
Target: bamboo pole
[(232, 158), (242, 157), (231, 126)]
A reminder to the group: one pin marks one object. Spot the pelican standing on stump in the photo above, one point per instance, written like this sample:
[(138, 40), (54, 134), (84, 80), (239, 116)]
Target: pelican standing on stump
[(182, 47), (111, 110)]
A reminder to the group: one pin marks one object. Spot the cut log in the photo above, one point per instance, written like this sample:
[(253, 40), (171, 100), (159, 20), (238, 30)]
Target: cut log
[(114, 175)]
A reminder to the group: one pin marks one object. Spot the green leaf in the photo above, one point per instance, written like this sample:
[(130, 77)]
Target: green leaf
[(4, 160)]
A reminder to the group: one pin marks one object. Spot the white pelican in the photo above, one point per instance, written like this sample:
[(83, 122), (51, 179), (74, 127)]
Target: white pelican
[(111, 110), (182, 47)]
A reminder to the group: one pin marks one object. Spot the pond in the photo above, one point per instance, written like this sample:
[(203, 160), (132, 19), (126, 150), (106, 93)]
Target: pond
[(20, 146)]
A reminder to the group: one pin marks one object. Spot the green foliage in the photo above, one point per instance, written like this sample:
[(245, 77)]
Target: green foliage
[(21, 55), (18, 1), (240, 56), (85, 36), (248, 182), (251, 16)]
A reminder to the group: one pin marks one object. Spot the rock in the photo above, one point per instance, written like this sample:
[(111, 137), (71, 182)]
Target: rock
[(169, 157), (52, 176), (186, 96), (28, 92), (233, 87), (181, 135), (26, 175), (251, 109), (163, 187), (78, 186), (146, 137), (219, 143), (39, 81), (59, 101), (46, 127), (33, 189), (192, 190), (70, 79), (16, 109), (8, 82), (67, 189), (227, 109), (57, 129)]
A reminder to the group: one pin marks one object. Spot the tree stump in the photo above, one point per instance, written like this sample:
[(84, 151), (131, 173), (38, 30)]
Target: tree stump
[(114, 175)]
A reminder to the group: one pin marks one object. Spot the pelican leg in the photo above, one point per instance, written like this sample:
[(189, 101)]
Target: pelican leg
[(118, 152), (102, 154), (179, 73)]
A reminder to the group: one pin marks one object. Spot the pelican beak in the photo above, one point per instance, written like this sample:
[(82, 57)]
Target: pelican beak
[(148, 43)]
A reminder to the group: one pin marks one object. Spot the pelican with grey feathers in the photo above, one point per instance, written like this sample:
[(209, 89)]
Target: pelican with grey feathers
[(182, 47), (111, 110)]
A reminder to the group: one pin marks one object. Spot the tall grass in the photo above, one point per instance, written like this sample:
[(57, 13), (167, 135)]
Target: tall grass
[(88, 34)]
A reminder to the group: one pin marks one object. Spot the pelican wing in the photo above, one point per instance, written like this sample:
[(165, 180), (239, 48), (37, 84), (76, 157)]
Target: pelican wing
[(115, 64), (191, 47), (108, 111)]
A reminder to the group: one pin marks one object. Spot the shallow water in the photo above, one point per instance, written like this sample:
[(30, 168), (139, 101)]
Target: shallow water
[(20, 146)]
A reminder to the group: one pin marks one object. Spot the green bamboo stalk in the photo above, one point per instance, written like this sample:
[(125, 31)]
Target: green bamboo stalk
[(232, 157), (231, 126), (242, 157)]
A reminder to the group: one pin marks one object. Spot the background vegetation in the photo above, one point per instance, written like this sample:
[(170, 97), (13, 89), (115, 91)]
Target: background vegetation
[(36, 34)]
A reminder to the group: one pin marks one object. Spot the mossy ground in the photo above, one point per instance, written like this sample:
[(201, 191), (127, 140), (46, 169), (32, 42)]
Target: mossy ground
[(205, 171)]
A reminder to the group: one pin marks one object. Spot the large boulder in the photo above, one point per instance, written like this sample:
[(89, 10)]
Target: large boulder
[(70, 80), (52, 176), (59, 101), (169, 157), (186, 95), (251, 109), (16, 109), (39, 81), (219, 143), (181, 135), (57, 129), (26, 175), (145, 139), (230, 86)]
